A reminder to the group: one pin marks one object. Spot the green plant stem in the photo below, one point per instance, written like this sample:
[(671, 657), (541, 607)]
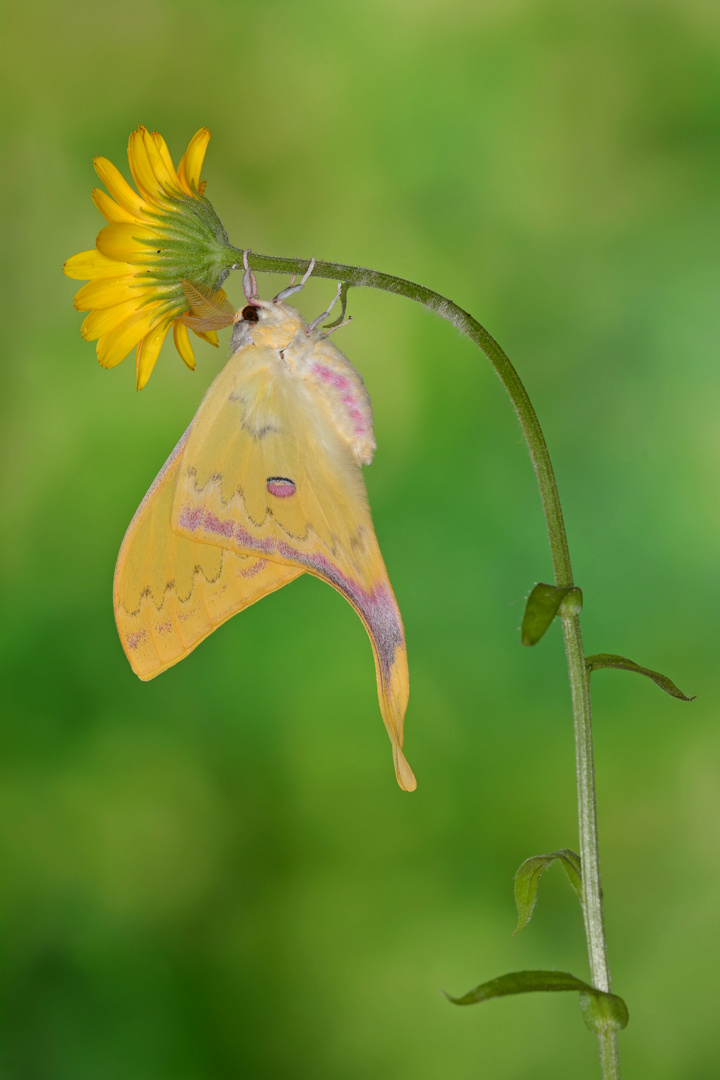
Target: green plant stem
[(587, 822), (579, 679)]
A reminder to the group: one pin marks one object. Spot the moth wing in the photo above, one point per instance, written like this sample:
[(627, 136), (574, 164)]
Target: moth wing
[(264, 471), (170, 592)]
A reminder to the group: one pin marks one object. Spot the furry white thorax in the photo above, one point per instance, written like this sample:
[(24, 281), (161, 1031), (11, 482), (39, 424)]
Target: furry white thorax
[(327, 373)]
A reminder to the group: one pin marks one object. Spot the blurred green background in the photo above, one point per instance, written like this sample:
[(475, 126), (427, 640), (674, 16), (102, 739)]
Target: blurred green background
[(214, 874)]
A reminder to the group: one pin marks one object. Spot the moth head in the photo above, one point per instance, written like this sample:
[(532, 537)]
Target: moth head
[(267, 324)]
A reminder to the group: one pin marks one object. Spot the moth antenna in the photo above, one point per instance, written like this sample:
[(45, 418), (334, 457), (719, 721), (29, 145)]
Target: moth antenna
[(335, 327), (249, 282), (292, 288), (209, 309), (309, 329)]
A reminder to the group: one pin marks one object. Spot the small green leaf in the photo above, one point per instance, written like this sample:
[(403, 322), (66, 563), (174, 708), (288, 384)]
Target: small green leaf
[(601, 1012), (611, 660), (520, 982), (543, 604), (528, 877)]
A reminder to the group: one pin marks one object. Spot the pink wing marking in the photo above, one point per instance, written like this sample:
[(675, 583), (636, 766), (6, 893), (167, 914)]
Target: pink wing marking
[(254, 569), (133, 640), (377, 607), (280, 487)]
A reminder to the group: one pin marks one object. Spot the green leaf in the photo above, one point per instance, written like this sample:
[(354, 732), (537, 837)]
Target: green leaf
[(543, 604), (528, 877), (520, 982), (601, 1012), (611, 660)]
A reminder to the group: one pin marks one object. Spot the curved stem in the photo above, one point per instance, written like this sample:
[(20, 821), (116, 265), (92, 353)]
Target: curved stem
[(579, 679)]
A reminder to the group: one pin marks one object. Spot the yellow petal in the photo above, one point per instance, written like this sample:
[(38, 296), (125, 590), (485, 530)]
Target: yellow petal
[(93, 264), (182, 344), (105, 292), (117, 343), (165, 155), (125, 242), (192, 161), (207, 335), (103, 320), (147, 353), (110, 210), (140, 167), (118, 187), (166, 178)]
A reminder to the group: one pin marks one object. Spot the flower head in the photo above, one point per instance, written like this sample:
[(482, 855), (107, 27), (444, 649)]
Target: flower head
[(164, 233)]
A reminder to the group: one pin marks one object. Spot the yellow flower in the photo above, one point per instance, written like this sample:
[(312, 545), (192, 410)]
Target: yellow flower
[(165, 233)]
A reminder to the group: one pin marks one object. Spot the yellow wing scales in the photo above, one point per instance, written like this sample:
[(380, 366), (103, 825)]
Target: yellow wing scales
[(171, 592)]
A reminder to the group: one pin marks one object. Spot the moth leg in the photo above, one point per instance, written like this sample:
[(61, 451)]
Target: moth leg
[(335, 326), (249, 282), (341, 320), (309, 329), (292, 288)]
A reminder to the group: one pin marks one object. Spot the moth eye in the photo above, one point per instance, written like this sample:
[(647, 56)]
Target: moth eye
[(280, 487), (250, 313)]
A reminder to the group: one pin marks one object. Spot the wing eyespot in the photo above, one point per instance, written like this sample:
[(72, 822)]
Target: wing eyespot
[(280, 486)]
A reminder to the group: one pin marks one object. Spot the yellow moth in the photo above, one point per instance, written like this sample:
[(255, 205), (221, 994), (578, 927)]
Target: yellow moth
[(264, 485)]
